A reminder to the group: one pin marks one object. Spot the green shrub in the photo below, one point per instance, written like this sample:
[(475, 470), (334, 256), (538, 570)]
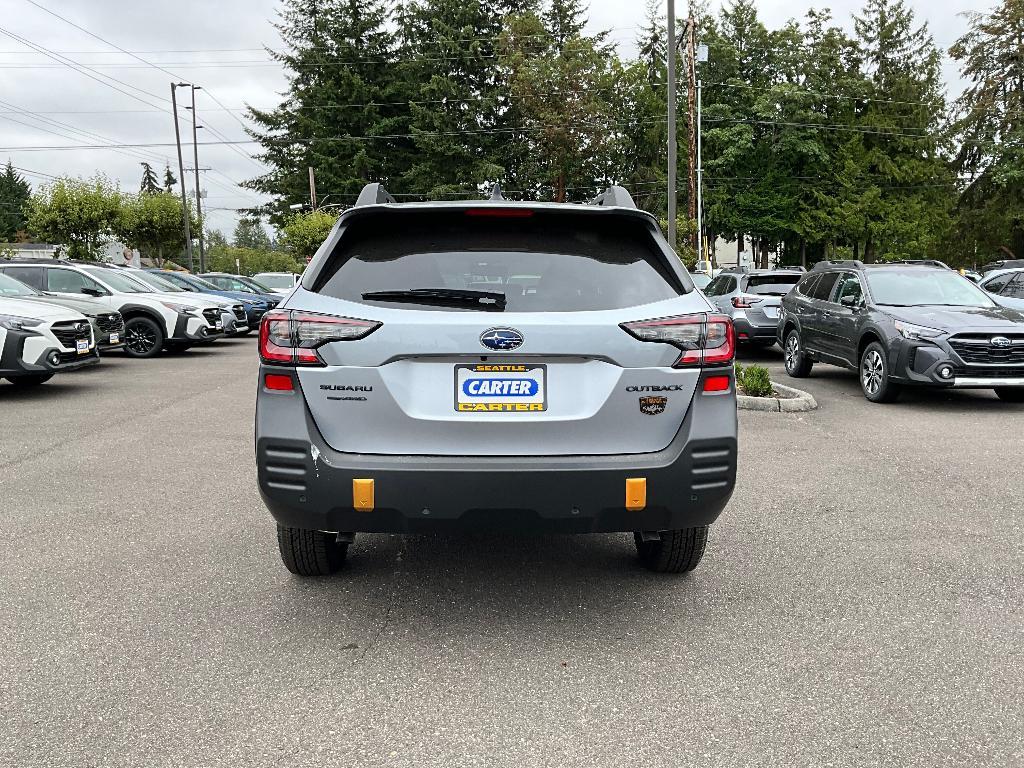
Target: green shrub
[(754, 380)]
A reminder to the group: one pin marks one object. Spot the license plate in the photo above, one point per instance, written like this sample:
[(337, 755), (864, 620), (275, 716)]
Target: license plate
[(82, 346), (219, 325), (115, 338), (772, 312), (501, 388)]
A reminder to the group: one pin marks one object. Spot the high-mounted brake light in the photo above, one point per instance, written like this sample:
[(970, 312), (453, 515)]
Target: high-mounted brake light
[(703, 339), (500, 213), (291, 337), (743, 302)]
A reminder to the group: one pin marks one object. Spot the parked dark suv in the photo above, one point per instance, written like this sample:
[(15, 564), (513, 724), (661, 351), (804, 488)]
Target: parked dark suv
[(902, 323)]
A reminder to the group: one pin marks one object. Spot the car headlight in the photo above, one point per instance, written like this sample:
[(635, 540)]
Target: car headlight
[(16, 323), (181, 309), (911, 331)]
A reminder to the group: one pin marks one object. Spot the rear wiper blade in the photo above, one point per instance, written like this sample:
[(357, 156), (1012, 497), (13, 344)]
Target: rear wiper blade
[(483, 299)]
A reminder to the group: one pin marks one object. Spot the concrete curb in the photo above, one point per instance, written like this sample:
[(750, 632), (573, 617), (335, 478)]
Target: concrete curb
[(791, 401)]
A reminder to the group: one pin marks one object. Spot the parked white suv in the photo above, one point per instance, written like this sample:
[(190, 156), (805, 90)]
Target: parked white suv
[(39, 340), (278, 282), (152, 321)]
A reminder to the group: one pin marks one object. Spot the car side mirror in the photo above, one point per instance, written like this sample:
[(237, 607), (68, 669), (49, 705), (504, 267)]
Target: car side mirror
[(853, 302), (97, 292)]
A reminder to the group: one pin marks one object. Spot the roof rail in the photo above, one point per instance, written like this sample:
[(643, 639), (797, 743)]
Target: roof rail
[(614, 196), (855, 263), (374, 194), (921, 262)]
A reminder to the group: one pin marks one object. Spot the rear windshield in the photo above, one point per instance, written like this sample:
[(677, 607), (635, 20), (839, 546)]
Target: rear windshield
[(543, 263), (772, 285)]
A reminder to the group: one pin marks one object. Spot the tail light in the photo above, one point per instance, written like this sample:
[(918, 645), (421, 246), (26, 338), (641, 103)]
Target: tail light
[(744, 302), (703, 339), (291, 337)]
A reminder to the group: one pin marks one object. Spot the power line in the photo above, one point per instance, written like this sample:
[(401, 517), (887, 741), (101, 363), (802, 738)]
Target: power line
[(84, 70)]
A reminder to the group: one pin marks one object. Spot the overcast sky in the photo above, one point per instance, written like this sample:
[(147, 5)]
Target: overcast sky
[(219, 46)]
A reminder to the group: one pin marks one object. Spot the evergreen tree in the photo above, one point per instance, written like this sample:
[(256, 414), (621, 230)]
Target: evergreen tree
[(990, 126), (149, 185), (455, 111), (14, 197), (339, 58), (562, 84), (169, 179), (905, 180), (249, 233)]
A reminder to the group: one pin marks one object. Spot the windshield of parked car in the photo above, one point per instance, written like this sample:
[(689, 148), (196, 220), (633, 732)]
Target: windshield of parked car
[(157, 283), (924, 287), (772, 285), (11, 287), (277, 281), (701, 280), (117, 280)]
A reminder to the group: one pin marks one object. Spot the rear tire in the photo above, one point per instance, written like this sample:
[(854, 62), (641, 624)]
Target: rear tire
[(874, 375), (30, 380), (797, 364), (1010, 394), (676, 552), (310, 553), (142, 337)]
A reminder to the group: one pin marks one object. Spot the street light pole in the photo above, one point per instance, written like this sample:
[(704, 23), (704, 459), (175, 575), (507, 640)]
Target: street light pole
[(199, 204), (181, 175), (671, 100)]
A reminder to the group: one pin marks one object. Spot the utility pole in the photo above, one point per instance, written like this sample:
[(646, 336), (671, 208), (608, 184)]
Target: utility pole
[(700, 186), (181, 175), (312, 188), (671, 101), (199, 204), (691, 113)]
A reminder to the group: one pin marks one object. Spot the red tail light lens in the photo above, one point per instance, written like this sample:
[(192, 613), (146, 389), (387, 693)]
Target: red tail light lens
[(703, 339), (744, 302), (291, 337), (719, 341)]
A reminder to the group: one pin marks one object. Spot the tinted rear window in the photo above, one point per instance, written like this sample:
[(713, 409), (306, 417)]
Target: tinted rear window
[(545, 263), (772, 285)]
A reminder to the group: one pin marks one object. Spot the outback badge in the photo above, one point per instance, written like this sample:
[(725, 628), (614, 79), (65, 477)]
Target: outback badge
[(652, 406)]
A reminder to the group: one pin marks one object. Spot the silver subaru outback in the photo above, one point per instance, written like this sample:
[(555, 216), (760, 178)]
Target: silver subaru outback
[(498, 366)]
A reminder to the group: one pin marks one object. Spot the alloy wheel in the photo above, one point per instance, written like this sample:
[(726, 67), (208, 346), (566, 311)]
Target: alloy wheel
[(140, 339), (872, 370), (792, 352)]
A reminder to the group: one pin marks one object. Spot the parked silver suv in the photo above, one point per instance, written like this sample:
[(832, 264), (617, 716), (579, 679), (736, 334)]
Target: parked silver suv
[(495, 365), (753, 298)]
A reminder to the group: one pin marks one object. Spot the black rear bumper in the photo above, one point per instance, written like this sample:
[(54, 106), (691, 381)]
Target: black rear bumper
[(306, 484)]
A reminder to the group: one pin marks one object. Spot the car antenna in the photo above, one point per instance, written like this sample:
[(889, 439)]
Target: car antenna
[(496, 196)]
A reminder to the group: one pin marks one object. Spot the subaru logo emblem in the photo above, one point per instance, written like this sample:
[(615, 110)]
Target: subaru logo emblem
[(1001, 341), (501, 339)]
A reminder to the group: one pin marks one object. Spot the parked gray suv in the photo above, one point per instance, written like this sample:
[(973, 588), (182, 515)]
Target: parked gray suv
[(753, 299), (495, 365)]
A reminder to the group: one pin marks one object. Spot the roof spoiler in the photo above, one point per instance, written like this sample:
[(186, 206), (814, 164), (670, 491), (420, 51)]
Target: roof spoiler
[(615, 196), (374, 194)]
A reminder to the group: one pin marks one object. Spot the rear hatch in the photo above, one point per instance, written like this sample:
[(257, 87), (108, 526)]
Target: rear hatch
[(764, 295), (517, 351)]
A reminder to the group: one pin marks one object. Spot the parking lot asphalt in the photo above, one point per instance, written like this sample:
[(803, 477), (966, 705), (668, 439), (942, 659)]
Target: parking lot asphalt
[(860, 603)]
